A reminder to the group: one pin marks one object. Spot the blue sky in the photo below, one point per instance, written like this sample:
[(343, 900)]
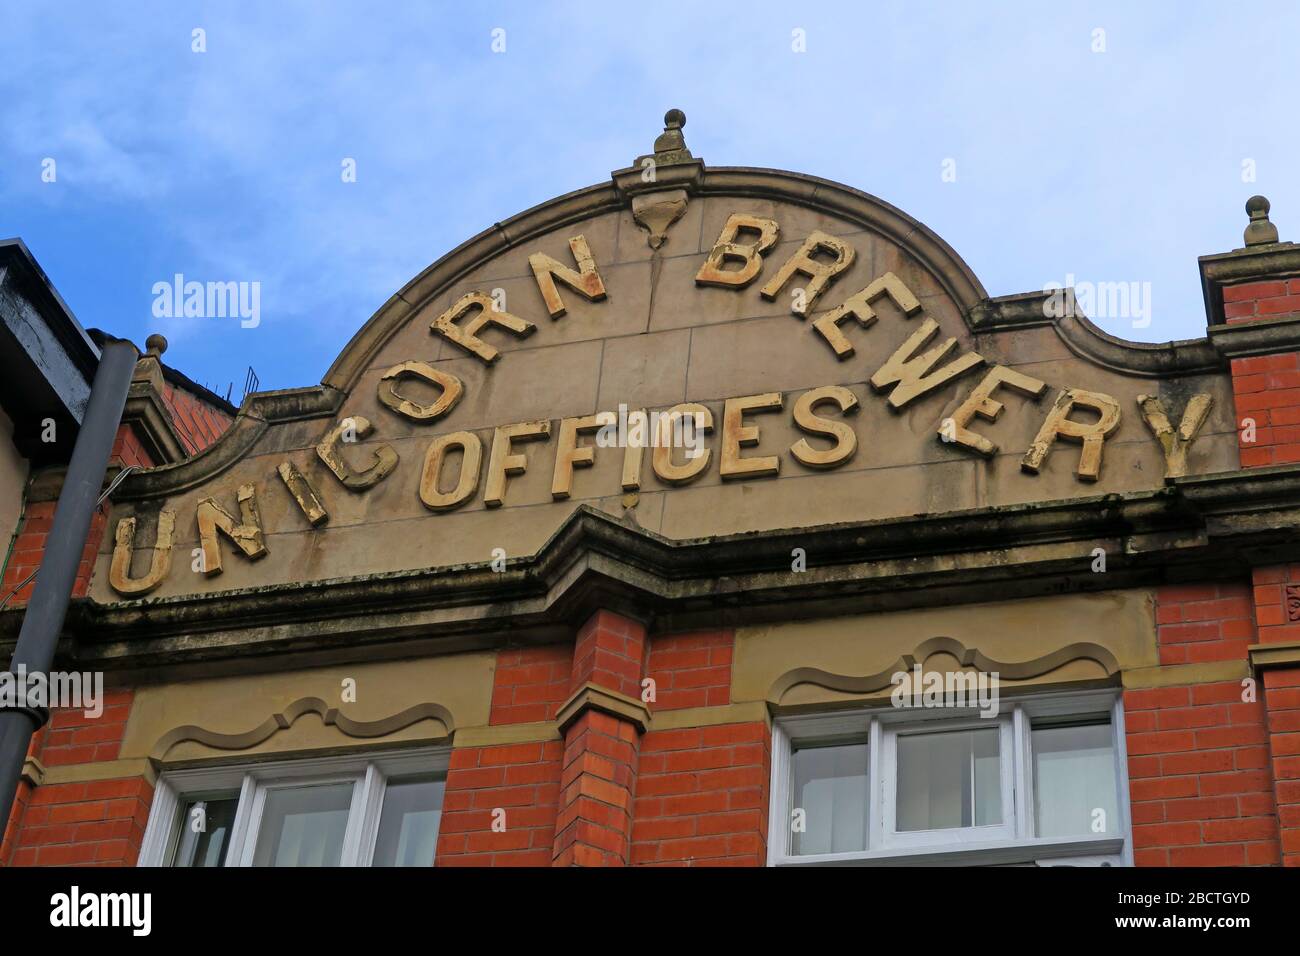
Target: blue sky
[(1114, 166)]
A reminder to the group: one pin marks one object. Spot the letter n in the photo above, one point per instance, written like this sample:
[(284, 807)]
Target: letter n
[(585, 281), (247, 534)]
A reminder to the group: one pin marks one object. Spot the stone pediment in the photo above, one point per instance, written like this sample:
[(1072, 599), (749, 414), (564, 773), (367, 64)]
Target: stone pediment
[(838, 361)]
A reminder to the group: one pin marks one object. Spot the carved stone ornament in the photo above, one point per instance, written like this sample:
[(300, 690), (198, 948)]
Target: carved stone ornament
[(655, 212)]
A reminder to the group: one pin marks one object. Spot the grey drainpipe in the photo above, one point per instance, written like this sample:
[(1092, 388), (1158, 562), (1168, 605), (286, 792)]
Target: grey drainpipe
[(43, 621)]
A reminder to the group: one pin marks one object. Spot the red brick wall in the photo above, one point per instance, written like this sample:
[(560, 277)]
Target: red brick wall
[(1205, 622), (128, 449), (40, 830), (1282, 697), (29, 546), (1201, 789), (1268, 299), (198, 423), (696, 797), (38, 517), (530, 683), (691, 670), (73, 737), (610, 652), (98, 823), (521, 779), (702, 796), (1201, 792), (1266, 388), (29, 550), (1272, 610), (22, 797)]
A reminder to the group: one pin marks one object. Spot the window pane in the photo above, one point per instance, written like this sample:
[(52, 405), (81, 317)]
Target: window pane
[(1074, 776), (830, 786), (949, 779), (303, 826), (408, 825), (205, 832)]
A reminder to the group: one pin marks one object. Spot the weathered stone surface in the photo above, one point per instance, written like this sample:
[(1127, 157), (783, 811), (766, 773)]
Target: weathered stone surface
[(658, 339)]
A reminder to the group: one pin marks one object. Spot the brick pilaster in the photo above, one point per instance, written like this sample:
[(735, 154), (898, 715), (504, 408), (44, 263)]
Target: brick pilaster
[(1282, 701), (610, 652), (1277, 661), (598, 782), (1252, 297), (602, 723)]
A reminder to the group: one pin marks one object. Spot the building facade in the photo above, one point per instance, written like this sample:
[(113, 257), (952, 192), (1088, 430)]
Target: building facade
[(707, 516)]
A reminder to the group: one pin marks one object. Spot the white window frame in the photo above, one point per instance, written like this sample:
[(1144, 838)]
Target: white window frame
[(886, 824), (1011, 842), (368, 773)]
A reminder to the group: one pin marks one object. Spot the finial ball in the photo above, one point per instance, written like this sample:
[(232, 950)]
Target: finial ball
[(1257, 204), (155, 344), (674, 119)]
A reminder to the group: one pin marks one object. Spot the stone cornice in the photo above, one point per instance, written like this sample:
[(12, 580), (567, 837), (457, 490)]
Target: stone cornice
[(683, 175), (1264, 656), (33, 772), (1257, 337), (1029, 310), (258, 412), (594, 697), (1202, 527), (151, 420)]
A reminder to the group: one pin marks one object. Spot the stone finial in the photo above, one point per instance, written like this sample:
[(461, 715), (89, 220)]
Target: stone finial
[(670, 145), (670, 162), (658, 185), (148, 414), (1259, 231), (148, 368)]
